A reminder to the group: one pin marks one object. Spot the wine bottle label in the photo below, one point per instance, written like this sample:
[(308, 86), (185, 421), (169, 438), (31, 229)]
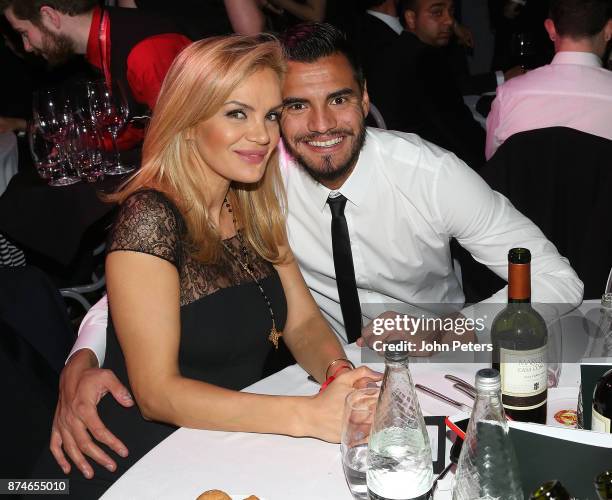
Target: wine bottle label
[(523, 378), (599, 423)]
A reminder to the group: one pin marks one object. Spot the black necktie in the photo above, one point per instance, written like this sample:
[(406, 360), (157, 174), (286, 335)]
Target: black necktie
[(345, 272)]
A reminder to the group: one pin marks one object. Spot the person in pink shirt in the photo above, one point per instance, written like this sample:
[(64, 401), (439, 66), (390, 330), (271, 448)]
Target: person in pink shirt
[(573, 91)]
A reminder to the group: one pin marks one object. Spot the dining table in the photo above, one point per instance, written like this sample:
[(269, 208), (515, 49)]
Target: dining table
[(277, 467), (273, 467), (55, 222)]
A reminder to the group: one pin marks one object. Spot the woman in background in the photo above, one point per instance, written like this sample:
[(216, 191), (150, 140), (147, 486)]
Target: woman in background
[(209, 17), (281, 14)]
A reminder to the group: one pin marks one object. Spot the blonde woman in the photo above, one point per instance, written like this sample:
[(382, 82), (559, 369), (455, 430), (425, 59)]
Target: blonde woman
[(201, 281)]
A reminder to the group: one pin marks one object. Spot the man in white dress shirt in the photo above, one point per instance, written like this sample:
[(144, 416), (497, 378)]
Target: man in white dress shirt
[(405, 200), (573, 91)]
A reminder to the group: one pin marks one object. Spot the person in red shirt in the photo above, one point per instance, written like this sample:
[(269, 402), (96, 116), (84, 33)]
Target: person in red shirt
[(126, 45)]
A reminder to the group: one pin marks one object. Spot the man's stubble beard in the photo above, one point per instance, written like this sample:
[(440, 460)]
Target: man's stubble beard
[(326, 171), (57, 49)]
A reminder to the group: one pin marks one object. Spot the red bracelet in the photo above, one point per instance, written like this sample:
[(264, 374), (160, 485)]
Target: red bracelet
[(332, 377), (326, 383)]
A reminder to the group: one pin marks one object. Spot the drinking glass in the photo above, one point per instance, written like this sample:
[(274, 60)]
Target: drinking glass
[(554, 351), (53, 115), (44, 156), (109, 110), (85, 148), (359, 410), (79, 99)]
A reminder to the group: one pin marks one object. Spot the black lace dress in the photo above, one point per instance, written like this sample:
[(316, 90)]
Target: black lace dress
[(225, 321)]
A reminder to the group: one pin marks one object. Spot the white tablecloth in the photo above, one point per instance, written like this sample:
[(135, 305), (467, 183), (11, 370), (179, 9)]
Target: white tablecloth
[(8, 159), (273, 467)]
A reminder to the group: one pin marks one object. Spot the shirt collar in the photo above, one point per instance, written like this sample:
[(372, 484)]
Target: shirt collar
[(93, 46), (580, 58), (391, 21), (354, 189)]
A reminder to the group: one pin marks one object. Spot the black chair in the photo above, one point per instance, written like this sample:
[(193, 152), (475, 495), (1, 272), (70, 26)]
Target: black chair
[(561, 179), (375, 118)]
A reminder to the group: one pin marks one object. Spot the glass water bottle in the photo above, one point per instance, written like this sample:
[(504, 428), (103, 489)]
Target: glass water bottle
[(487, 466), (399, 453)]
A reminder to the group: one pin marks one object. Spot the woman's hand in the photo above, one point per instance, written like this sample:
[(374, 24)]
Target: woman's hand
[(323, 418)]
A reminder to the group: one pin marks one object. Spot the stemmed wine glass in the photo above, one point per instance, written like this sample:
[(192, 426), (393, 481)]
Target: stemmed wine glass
[(44, 155), (53, 115), (109, 110), (84, 144)]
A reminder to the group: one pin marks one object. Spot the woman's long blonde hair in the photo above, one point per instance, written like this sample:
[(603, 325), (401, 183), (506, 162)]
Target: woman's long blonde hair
[(197, 84)]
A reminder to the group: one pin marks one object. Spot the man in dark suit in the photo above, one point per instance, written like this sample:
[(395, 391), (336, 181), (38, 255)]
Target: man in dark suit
[(377, 29), (421, 93), (375, 33)]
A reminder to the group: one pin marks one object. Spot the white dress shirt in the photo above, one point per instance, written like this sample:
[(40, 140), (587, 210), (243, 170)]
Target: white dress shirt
[(406, 199), (573, 91), (391, 21)]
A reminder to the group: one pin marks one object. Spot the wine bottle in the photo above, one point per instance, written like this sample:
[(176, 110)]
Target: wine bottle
[(551, 490), (519, 338), (602, 404), (600, 345), (603, 485)]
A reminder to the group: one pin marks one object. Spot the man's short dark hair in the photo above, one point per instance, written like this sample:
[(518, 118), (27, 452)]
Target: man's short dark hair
[(29, 10), (580, 18), (309, 42)]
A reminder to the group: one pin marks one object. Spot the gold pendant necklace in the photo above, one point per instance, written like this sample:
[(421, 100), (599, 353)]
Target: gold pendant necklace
[(275, 335)]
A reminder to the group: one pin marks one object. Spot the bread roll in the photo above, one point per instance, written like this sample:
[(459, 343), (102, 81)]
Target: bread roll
[(214, 495)]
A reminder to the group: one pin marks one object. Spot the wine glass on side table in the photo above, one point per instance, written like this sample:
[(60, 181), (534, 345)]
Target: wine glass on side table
[(44, 155), (86, 150), (109, 110), (53, 115)]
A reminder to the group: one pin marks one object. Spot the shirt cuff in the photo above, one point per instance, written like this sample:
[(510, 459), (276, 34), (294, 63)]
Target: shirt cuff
[(499, 76), (92, 332)]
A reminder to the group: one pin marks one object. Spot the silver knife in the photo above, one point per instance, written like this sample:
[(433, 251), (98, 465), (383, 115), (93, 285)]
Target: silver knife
[(465, 391), (444, 398), (462, 382)]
